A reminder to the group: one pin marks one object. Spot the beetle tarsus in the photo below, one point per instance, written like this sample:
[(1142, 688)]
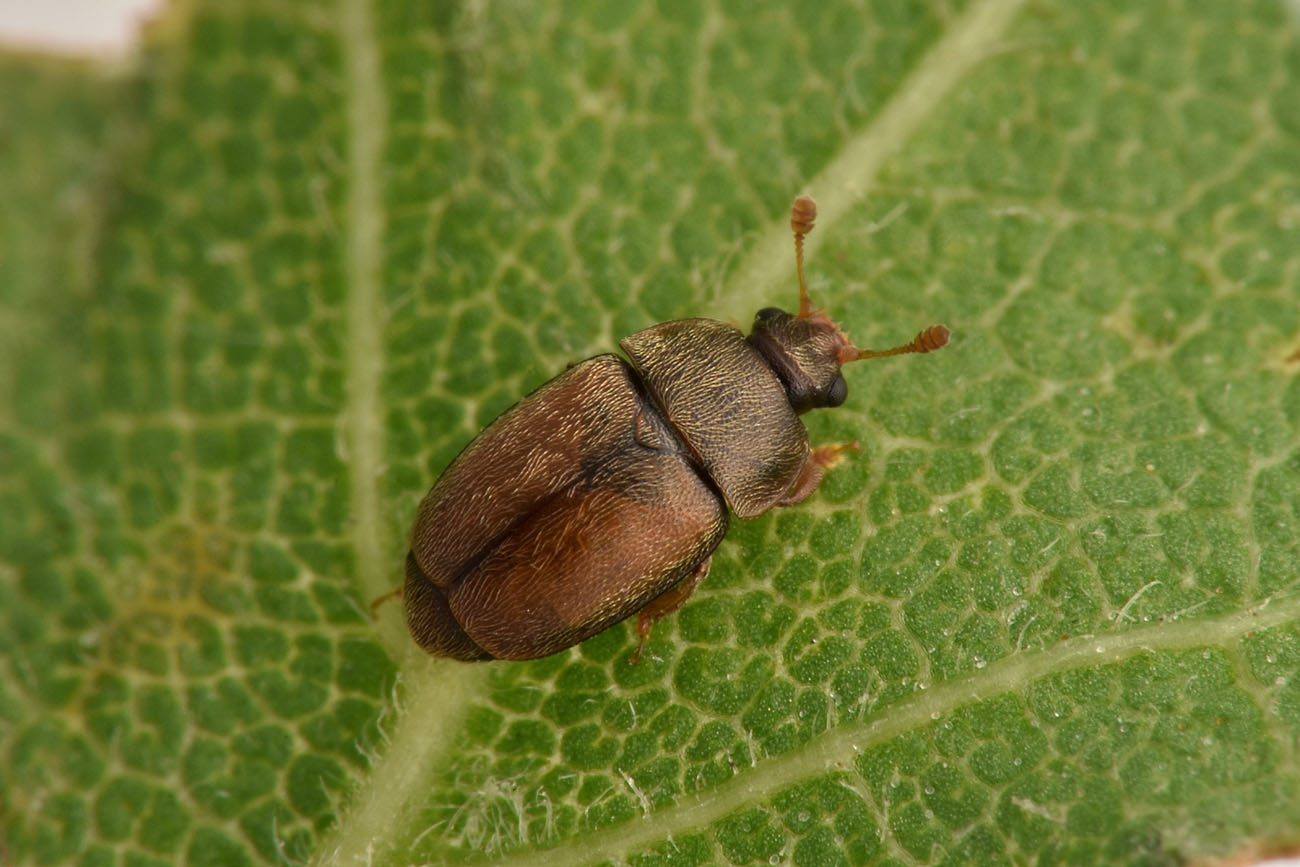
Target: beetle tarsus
[(832, 454), (666, 603), (380, 600)]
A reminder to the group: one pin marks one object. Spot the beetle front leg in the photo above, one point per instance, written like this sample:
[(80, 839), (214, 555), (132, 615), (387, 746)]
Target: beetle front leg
[(819, 461), (666, 603)]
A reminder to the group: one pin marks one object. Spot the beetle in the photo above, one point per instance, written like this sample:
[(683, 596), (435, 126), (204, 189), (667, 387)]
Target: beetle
[(605, 492)]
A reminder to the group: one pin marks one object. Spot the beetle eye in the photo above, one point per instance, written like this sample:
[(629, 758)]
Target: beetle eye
[(838, 392), (767, 314)]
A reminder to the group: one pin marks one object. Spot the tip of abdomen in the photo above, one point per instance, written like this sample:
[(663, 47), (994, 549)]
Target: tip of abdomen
[(430, 619)]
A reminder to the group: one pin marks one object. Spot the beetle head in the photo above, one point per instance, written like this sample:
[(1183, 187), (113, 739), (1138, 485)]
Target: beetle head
[(806, 349), (805, 352)]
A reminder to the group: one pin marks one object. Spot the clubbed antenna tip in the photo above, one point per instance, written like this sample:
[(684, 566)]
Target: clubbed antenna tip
[(802, 215)]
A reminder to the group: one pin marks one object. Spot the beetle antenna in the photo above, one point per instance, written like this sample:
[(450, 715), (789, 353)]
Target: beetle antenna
[(802, 217), (932, 338)]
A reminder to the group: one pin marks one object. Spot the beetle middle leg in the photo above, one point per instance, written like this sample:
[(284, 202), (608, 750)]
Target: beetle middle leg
[(819, 461), (666, 603)]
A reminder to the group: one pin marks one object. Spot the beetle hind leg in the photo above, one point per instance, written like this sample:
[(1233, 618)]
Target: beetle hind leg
[(395, 593), (666, 603)]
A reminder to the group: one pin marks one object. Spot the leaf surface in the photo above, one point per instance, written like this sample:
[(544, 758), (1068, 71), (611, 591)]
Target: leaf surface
[(264, 291)]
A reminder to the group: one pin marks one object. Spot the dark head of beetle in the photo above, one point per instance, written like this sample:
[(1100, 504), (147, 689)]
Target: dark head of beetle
[(807, 349)]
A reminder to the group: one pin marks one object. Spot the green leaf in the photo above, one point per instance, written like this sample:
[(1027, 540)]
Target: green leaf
[(254, 297)]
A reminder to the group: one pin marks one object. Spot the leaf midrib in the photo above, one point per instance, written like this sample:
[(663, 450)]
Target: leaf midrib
[(364, 431)]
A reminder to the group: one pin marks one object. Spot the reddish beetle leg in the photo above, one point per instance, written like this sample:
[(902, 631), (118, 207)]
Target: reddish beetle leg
[(819, 461), (666, 603), (380, 600)]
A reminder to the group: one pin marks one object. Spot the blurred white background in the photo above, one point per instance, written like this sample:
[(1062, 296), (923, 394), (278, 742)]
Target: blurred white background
[(103, 28)]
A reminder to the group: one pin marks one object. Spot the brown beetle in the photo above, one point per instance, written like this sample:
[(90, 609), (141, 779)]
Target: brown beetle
[(605, 491)]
